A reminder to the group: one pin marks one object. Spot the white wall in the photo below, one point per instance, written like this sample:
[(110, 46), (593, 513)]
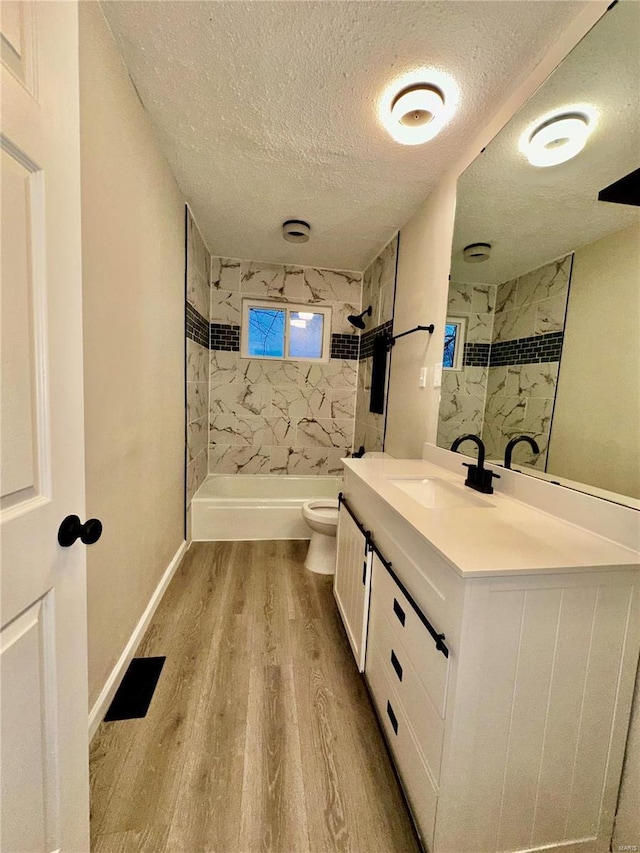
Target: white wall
[(422, 287), (595, 437), (133, 291)]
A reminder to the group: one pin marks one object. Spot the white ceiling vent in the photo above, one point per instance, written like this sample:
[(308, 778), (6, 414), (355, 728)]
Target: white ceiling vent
[(296, 231), (475, 253)]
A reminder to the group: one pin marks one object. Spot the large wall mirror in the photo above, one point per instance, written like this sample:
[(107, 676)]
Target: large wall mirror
[(543, 337)]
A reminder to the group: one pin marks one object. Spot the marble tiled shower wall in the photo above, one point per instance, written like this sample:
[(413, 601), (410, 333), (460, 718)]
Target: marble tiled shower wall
[(525, 357), (198, 276), (280, 417), (378, 290), (463, 393)]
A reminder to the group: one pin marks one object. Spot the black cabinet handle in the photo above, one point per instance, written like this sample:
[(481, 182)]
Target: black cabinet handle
[(399, 612), (72, 529), (392, 717), (395, 663)]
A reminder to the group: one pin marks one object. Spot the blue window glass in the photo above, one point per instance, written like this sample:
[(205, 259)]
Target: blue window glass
[(305, 336), (450, 341), (266, 332)]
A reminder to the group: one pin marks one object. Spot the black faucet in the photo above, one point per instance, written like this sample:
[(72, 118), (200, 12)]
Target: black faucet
[(479, 477), (510, 446)]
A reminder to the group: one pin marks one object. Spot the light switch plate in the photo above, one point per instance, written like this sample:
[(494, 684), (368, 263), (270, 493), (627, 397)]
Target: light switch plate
[(437, 375), (422, 382)]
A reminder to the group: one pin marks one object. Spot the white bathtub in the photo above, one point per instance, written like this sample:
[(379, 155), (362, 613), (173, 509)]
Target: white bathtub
[(262, 506)]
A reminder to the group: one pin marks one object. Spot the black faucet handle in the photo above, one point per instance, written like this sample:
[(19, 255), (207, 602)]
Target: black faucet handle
[(480, 478)]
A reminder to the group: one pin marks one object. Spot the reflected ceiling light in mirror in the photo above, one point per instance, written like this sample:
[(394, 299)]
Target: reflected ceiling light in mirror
[(558, 137), (415, 107)]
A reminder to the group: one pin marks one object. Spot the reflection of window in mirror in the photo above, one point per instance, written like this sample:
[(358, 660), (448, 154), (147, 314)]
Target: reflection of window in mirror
[(454, 336)]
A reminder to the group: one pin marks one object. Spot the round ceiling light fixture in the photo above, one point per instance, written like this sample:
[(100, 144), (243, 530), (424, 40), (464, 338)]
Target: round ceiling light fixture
[(557, 138), (415, 108), (296, 231)]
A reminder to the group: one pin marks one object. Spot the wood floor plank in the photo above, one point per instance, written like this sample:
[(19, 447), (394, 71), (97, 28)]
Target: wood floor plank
[(273, 804), (206, 814), (152, 840), (270, 635), (261, 735)]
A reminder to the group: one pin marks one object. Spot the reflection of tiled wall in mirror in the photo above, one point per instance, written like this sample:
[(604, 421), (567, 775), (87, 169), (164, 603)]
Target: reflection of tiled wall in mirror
[(523, 364), (463, 394), (508, 379)]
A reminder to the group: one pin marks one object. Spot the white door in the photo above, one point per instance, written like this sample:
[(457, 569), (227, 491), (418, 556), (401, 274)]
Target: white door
[(43, 644), (352, 582)]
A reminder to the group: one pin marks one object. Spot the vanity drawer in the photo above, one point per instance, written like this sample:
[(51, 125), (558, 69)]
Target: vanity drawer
[(430, 665), (419, 788), (427, 725)]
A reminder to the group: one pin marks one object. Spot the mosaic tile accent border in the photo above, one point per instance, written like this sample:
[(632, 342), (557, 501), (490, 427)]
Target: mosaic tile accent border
[(533, 350), (196, 327), (476, 355), (536, 349), (367, 338), (224, 336), (345, 346)]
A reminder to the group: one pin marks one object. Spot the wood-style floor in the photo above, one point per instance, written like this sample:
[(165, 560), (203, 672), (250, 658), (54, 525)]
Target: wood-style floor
[(260, 735)]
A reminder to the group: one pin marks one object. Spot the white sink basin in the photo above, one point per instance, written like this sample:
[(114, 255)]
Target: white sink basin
[(438, 494)]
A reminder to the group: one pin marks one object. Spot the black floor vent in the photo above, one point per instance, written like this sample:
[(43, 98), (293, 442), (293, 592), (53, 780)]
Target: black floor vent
[(136, 690)]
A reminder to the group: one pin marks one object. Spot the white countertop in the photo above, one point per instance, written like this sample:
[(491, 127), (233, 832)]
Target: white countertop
[(508, 537)]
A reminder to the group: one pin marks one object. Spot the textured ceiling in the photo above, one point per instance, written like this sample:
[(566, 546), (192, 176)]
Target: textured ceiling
[(532, 215), (267, 110)]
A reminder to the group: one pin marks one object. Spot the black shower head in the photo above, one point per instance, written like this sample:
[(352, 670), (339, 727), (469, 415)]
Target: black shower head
[(357, 319)]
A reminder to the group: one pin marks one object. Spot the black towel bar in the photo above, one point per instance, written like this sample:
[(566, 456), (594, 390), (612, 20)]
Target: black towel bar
[(391, 340)]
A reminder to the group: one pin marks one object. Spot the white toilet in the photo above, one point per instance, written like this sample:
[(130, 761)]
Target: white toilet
[(322, 517)]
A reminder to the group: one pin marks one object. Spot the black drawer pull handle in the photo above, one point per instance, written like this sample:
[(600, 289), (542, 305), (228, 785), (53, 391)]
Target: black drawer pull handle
[(395, 663), (392, 717), (364, 573), (399, 612)]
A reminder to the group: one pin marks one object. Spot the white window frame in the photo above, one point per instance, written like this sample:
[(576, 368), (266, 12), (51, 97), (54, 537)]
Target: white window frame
[(289, 308), (461, 338)]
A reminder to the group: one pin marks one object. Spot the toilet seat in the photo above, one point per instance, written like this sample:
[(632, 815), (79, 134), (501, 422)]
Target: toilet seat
[(324, 511)]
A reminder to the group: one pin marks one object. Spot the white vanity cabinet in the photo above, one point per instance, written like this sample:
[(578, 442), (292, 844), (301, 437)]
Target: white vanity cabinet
[(514, 739)]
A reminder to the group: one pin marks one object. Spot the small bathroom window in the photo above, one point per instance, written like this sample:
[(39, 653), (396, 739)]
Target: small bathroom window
[(454, 335), (285, 331)]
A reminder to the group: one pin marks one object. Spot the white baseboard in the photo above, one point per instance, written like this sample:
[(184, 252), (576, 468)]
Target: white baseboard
[(108, 691)]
